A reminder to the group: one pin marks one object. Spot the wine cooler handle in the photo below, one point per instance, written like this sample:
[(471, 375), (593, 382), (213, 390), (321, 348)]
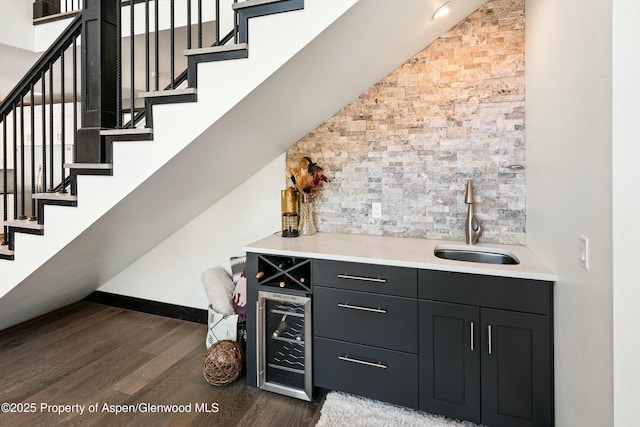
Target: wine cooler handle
[(357, 307), (489, 337), (365, 279), (362, 362), (259, 343)]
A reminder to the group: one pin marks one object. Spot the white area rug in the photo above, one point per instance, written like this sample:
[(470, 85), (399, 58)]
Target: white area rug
[(341, 409)]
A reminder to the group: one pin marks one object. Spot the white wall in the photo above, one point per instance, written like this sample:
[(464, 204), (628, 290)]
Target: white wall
[(626, 211), (16, 25), (171, 271), (568, 116), (17, 29)]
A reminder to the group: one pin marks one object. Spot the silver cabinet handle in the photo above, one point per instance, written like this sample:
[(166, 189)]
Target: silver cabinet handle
[(489, 336), (365, 279), (362, 362), (471, 327), (356, 307)]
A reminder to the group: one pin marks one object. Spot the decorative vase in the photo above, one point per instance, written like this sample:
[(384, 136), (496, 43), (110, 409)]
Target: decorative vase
[(307, 224)]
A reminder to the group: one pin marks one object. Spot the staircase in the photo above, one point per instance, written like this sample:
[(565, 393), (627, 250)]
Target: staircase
[(243, 105)]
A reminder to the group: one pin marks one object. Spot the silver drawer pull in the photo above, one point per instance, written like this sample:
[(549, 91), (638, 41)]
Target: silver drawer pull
[(471, 333), (356, 307), (365, 279), (362, 362)]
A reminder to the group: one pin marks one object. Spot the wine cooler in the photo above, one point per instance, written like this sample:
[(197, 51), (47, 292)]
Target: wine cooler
[(284, 352)]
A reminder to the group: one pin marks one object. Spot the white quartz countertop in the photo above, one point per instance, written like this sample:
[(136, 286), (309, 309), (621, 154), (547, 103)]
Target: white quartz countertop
[(399, 251)]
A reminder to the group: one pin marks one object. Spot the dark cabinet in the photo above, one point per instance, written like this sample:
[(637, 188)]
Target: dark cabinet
[(488, 365), (516, 369), (467, 346), (449, 362), (365, 330)]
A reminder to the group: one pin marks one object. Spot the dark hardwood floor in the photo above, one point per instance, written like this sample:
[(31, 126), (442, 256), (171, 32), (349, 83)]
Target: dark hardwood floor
[(91, 354)]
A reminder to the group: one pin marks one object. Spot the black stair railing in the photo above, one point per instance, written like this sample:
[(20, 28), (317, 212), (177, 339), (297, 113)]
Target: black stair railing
[(42, 117), (148, 67), (38, 120)]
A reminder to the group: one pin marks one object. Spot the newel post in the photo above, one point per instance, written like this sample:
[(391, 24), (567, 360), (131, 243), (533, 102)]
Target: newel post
[(99, 92)]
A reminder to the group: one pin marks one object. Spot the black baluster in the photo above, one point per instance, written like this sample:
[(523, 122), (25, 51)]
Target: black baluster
[(33, 152), (157, 47), (199, 23), (217, 22), (188, 24), (15, 164), (75, 97), (146, 46), (62, 126), (131, 43), (51, 134), (5, 212), (235, 25), (22, 165), (173, 42), (44, 133), (119, 68)]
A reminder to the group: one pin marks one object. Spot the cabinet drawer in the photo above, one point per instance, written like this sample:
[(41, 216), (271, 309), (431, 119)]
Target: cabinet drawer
[(526, 295), (378, 320), (382, 279), (371, 372)]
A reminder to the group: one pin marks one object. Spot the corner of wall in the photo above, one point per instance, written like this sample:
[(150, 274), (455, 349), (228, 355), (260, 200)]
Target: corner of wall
[(171, 271), (568, 113), (626, 212)]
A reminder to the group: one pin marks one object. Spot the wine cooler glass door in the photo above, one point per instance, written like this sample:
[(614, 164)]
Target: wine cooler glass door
[(284, 359)]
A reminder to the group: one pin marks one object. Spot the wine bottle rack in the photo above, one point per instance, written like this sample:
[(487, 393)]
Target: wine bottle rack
[(293, 330), (290, 359), (284, 273)]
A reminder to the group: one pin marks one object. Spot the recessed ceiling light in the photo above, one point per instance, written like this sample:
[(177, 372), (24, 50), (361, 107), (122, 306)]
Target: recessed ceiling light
[(442, 11)]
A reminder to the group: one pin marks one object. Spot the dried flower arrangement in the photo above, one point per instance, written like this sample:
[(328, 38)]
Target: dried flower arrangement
[(306, 175)]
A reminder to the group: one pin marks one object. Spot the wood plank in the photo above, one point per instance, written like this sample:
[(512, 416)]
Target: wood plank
[(156, 366), (89, 353)]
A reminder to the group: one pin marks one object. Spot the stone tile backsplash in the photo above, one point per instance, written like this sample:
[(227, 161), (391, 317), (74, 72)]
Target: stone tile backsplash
[(455, 111)]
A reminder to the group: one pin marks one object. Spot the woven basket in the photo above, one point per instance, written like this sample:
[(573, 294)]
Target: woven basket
[(223, 363)]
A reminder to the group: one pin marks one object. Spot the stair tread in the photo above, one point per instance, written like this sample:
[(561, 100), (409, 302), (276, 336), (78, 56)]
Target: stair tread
[(5, 252), (55, 196), (250, 3), (24, 223), (169, 92), (127, 131), (216, 49), (88, 165)]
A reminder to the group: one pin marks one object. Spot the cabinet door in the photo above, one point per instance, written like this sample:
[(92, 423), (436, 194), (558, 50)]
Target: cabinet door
[(516, 369), (449, 361)]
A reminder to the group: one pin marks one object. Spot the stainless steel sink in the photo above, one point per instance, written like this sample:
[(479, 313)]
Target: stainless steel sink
[(476, 254)]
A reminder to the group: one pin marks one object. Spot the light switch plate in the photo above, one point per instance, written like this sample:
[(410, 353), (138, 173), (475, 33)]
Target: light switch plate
[(584, 252)]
